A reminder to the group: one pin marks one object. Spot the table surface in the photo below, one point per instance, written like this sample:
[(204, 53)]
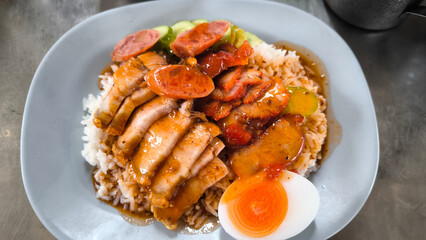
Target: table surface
[(394, 63)]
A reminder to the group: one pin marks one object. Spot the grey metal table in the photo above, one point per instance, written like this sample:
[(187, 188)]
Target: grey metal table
[(393, 61)]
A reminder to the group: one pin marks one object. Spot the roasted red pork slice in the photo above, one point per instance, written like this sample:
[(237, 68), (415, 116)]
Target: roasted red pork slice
[(213, 64), (268, 106), (227, 79), (176, 168), (273, 101), (238, 90), (257, 91), (190, 193), (142, 119), (217, 109), (159, 141), (277, 148)]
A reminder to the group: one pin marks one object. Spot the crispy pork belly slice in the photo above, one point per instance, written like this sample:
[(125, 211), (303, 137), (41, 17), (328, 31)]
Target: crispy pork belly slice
[(119, 121), (190, 193), (152, 60), (142, 95), (214, 148), (177, 167), (159, 141), (126, 79), (137, 98), (141, 120)]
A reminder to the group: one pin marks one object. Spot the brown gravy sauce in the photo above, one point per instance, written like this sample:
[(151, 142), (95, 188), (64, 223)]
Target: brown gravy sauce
[(316, 71), (210, 225), (137, 219), (144, 219), (105, 70)]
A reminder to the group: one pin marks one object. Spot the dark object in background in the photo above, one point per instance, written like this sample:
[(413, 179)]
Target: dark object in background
[(375, 14)]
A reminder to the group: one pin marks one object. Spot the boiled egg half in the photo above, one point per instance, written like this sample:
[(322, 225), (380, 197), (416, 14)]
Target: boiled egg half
[(263, 208)]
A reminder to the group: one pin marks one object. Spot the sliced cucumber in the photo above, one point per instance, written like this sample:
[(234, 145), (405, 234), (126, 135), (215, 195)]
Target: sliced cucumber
[(302, 101), (240, 36), (252, 39), (182, 26), (166, 37), (199, 21), (164, 30), (226, 36), (233, 36)]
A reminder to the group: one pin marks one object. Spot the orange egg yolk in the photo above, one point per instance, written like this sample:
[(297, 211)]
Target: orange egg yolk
[(256, 206)]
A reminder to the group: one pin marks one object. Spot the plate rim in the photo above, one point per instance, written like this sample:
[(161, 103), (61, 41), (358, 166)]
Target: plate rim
[(56, 231)]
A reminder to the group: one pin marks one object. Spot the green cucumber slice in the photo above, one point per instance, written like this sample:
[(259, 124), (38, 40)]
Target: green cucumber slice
[(240, 36), (182, 26), (164, 30), (226, 36), (233, 36), (252, 39), (166, 37), (199, 21), (302, 101)]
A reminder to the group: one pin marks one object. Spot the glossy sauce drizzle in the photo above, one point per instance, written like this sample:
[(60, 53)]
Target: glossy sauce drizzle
[(138, 219)]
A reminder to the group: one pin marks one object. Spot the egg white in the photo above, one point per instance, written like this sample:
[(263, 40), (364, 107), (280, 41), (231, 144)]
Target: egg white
[(303, 205)]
